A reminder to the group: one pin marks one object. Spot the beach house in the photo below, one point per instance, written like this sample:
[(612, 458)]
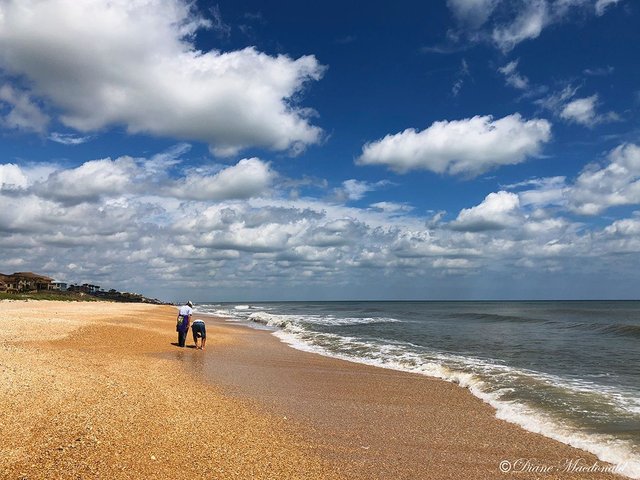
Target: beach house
[(24, 282)]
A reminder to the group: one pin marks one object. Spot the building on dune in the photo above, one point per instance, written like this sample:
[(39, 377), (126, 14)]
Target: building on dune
[(25, 282)]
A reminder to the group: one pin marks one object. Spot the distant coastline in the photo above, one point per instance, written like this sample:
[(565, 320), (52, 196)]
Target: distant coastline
[(34, 286)]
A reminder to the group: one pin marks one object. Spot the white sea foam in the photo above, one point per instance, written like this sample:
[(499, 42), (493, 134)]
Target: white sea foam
[(295, 321), (465, 371), (271, 320), (397, 357), (214, 310)]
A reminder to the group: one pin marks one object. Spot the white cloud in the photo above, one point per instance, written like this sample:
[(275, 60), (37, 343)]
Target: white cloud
[(462, 74), (596, 189), (248, 178), (218, 24), (468, 147), (545, 192), (599, 72), (336, 233), (353, 189), (90, 181), (513, 78), (134, 63), (16, 177), (528, 24), (115, 181), (69, 138), (267, 237), (627, 227), (602, 5), (44, 222), (618, 183), (497, 211), (23, 114), (507, 23), (132, 232), (12, 177), (392, 207), (556, 101), (453, 263), (581, 110), (472, 13)]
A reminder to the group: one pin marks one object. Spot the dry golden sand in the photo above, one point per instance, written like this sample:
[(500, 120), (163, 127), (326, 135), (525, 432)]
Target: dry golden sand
[(81, 397), (98, 391)]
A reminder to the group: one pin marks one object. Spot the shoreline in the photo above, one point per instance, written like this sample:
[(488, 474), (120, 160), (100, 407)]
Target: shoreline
[(318, 388), (558, 418), (93, 393), (524, 417)]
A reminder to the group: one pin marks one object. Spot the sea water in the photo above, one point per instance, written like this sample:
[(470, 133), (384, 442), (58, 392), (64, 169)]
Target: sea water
[(569, 370)]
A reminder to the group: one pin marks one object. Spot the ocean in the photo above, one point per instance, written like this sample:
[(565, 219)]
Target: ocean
[(569, 370)]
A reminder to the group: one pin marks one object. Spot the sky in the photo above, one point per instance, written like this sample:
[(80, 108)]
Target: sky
[(246, 151)]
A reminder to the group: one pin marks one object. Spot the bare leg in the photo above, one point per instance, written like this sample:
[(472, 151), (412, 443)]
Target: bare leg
[(204, 340)]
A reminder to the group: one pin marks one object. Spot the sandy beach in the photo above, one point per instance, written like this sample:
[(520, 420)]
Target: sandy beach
[(99, 390)]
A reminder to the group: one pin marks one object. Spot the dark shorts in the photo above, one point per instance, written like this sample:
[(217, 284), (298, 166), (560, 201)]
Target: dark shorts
[(199, 330)]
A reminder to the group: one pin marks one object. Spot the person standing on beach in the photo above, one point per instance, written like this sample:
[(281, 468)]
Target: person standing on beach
[(182, 325), (199, 329)]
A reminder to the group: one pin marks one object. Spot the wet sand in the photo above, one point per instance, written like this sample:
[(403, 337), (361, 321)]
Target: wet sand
[(372, 422), (101, 391)]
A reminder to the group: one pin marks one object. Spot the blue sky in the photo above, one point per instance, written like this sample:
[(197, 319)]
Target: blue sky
[(459, 149)]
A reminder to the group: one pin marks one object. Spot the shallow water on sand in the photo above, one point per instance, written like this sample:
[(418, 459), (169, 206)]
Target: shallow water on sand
[(570, 370)]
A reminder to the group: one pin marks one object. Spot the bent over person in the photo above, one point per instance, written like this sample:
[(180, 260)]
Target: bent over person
[(199, 329), (182, 325)]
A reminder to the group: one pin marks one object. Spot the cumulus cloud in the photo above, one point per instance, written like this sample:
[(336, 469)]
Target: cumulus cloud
[(23, 177), (581, 110), (597, 188), (468, 147), (627, 227), (336, 233), (248, 178), (542, 192), (41, 222), (24, 114), (90, 181), (103, 180), (127, 228), (498, 211), (12, 177), (134, 63), (600, 187)]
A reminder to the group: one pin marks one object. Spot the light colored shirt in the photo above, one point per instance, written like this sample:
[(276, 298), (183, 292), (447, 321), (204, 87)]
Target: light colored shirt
[(186, 311)]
